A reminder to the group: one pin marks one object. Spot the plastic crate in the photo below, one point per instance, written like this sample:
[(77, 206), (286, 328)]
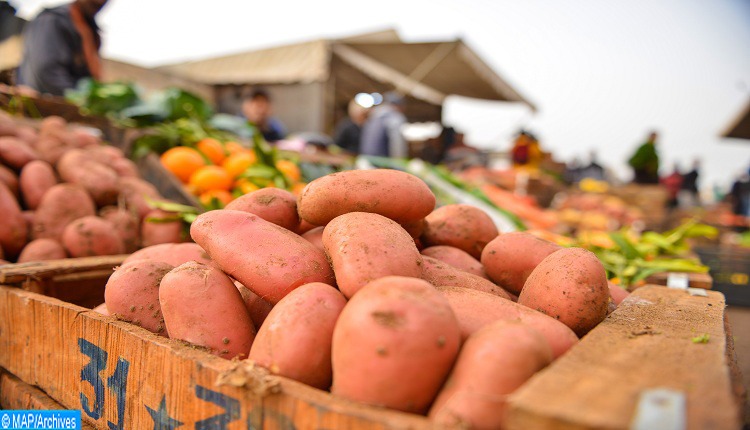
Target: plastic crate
[(730, 269)]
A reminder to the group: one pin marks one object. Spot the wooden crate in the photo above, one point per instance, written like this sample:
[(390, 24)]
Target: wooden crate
[(122, 376)]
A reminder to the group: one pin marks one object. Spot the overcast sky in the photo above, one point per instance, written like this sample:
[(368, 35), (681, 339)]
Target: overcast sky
[(602, 73)]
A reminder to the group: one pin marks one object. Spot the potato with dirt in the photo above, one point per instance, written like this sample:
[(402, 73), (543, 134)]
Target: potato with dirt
[(569, 285), (132, 294), (457, 258), (13, 228), (394, 344), (172, 253), (160, 226), (510, 258), (364, 246), (397, 195), (492, 364), (36, 178), (16, 153), (42, 250), (272, 204), (202, 306), (300, 325), (268, 259), (441, 274), (77, 166), (463, 226), (257, 307), (91, 236), (125, 224), (60, 205)]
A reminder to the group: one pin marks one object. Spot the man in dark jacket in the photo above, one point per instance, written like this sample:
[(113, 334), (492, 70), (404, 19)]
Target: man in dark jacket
[(381, 134), (61, 46)]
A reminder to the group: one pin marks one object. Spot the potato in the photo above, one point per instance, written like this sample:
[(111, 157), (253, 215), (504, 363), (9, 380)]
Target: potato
[(89, 236), (105, 154), (288, 335), (160, 226), (13, 228), (202, 306), (174, 254), (476, 309), (77, 137), (463, 226), (272, 204), (77, 167), (125, 168), (270, 260), (135, 192), (53, 125), (394, 344), (439, 274), (509, 258), (617, 293), (36, 178), (256, 307), (397, 195), (457, 258), (28, 134), (315, 236), (569, 285), (10, 179), (60, 205), (101, 309), (42, 250), (415, 228), (126, 226), (493, 363), (15, 153), (366, 246), (132, 294), (50, 149), (304, 227)]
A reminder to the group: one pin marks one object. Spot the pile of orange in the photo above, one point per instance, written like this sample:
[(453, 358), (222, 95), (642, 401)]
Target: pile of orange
[(218, 172)]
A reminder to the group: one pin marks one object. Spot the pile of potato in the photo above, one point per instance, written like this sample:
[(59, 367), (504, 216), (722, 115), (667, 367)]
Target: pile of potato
[(63, 193), (363, 288)]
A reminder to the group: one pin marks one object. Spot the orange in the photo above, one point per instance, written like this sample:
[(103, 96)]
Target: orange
[(223, 196), (213, 149), (289, 169), (182, 161), (238, 162), (245, 186), (210, 178), (233, 147)]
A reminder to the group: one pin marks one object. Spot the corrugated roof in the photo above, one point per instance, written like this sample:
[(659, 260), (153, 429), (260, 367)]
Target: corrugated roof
[(299, 63)]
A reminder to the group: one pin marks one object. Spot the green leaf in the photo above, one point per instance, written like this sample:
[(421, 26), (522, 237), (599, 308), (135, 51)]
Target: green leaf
[(704, 338), (625, 245)]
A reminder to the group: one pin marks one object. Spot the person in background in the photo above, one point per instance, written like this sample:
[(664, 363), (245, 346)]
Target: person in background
[(256, 106), (526, 151), (593, 170), (645, 162), (739, 195), (381, 133), (689, 196), (61, 46), (348, 132), (672, 183)]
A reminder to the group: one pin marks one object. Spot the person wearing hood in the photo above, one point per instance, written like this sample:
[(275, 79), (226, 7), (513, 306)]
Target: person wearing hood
[(61, 46)]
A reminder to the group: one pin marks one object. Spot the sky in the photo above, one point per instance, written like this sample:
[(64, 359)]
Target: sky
[(602, 73)]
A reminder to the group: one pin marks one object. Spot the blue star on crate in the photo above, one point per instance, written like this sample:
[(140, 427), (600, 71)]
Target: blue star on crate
[(162, 420)]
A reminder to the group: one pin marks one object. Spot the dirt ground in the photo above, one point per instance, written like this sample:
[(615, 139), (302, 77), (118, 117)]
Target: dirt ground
[(739, 321)]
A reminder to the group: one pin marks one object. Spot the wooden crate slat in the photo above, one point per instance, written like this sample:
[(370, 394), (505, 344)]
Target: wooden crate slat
[(37, 270), (647, 343)]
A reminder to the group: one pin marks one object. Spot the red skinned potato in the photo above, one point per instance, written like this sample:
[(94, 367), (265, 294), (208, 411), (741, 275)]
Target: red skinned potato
[(617, 293), (101, 309), (14, 230), (160, 226), (270, 260), (569, 285), (476, 309), (315, 236), (257, 307), (366, 246), (415, 228), (125, 168), (510, 258), (78, 167), (457, 258), (395, 329), (440, 274), (90, 236), (132, 294), (50, 149), (202, 306), (172, 253), (463, 226), (288, 335), (10, 179), (16, 153), (42, 250), (36, 178), (126, 226), (60, 205), (492, 364), (135, 192), (304, 227), (272, 204), (397, 195)]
